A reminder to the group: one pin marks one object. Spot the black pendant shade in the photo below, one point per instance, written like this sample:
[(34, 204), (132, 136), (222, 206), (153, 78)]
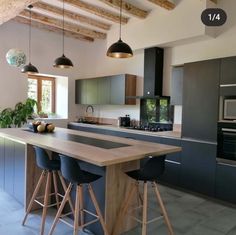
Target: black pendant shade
[(30, 69), (120, 49), (63, 62)]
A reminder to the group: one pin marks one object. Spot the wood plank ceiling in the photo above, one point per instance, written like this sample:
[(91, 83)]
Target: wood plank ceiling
[(85, 20)]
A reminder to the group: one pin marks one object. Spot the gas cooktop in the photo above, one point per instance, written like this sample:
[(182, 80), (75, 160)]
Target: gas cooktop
[(153, 128)]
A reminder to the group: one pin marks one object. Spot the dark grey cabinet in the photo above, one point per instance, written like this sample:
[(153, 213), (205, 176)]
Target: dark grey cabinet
[(106, 90), (228, 66), (177, 85), (225, 182), (200, 100), (2, 162), (198, 166)]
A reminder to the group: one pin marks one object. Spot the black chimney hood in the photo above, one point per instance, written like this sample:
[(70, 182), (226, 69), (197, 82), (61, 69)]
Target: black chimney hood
[(153, 73)]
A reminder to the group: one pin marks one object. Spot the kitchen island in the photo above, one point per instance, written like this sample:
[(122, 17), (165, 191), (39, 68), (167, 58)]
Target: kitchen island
[(106, 155)]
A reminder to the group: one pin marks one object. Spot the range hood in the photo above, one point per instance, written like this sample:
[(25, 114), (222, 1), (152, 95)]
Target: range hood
[(153, 73)]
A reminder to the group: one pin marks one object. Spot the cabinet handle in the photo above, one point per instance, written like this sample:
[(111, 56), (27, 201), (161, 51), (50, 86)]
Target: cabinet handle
[(227, 85)]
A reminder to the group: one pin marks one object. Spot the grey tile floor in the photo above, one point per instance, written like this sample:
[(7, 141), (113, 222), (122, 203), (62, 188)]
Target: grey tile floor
[(189, 215)]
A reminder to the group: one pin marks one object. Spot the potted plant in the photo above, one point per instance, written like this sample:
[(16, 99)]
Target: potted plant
[(18, 116)]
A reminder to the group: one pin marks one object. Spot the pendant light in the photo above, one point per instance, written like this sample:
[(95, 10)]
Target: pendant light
[(120, 49), (63, 62), (29, 68)]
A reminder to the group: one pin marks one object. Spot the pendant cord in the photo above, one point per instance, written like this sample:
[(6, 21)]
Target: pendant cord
[(30, 34), (63, 28), (120, 16)]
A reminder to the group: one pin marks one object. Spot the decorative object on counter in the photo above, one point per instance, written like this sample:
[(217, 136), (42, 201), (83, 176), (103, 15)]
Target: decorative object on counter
[(120, 49), (125, 121), (16, 57), (18, 116), (29, 68), (63, 62), (38, 126)]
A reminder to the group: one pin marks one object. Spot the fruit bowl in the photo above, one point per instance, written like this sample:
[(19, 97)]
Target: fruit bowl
[(41, 127)]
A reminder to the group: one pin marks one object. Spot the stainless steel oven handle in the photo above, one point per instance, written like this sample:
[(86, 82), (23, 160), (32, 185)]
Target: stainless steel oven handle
[(228, 129)]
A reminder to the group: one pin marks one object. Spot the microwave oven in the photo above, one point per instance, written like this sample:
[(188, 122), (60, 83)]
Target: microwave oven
[(229, 109)]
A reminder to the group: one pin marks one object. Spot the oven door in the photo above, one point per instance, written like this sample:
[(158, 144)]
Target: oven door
[(227, 144)]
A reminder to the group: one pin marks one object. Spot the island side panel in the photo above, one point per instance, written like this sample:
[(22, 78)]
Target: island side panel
[(117, 187)]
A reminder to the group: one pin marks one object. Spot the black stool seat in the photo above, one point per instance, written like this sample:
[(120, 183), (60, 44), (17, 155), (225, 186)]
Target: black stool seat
[(151, 170), (43, 161), (72, 172)]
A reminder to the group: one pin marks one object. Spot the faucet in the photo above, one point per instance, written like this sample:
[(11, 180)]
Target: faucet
[(90, 106)]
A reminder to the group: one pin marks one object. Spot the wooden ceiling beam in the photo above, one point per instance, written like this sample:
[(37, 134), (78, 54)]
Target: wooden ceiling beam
[(215, 1), (49, 28), (164, 3), (71, 15), (127, 7), (98, 11), (11, 8), (58, 24)]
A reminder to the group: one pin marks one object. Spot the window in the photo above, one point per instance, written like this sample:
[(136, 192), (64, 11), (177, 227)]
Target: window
[(42, 89)]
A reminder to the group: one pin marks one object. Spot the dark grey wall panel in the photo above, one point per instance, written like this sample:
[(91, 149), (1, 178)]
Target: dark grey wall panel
[(177, 85), (200, 100), (228, 66)]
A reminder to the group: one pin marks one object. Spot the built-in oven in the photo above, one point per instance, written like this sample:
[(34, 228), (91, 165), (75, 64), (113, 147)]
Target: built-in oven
[(226, 141)]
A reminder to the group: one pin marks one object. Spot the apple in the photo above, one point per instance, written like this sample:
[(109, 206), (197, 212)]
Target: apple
[(50, 127), (41, 128)]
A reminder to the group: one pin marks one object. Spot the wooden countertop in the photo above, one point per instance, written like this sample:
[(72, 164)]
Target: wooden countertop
[(95, 155), (165, 134)]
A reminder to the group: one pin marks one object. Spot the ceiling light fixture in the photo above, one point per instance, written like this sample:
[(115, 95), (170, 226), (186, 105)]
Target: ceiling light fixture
[(29, 68), (63, 62), (120, 49)]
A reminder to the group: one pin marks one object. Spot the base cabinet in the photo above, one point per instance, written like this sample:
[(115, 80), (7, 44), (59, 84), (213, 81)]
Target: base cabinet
[(225, 182), (12, 168)]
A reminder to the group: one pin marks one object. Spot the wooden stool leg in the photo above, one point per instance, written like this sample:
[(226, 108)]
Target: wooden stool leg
[(55, 188), (34, 195), (46, 198), (77, 207), (123, 210), (66, 196), (63, 183), (167, 221), (94, 200), (144, 220), (139, 197), (81, 205)]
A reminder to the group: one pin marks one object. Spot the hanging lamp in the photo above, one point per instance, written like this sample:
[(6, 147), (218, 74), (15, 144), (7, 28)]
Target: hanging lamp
[(29, 68), (120, 49), (63, 62)]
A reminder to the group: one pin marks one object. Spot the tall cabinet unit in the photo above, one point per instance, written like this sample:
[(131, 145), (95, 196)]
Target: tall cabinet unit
[(199, 125)]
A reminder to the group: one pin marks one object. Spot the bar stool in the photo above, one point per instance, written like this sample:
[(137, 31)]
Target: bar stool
[(51, 168), (150, 172), (71, 171)]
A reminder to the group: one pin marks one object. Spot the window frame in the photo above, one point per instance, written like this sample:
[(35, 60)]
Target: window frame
[(39, 90)]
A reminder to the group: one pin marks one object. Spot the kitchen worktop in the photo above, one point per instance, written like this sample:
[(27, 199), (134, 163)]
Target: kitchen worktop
[(90, 147), (165, 134)]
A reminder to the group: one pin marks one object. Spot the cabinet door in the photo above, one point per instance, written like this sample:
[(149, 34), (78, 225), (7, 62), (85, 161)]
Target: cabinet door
[(19, 172), (198, 164), (225, 181), (9, 166), (118, 89), (104, 90), (200, 100), (176, 157), (92, 91), (2, 162), (80, 92), (228, 66), (177, 86)]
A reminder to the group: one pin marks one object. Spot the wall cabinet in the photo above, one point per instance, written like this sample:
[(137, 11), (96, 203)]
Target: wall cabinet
[(106, 90), (200, 100), (227, 74), (177, 85)]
